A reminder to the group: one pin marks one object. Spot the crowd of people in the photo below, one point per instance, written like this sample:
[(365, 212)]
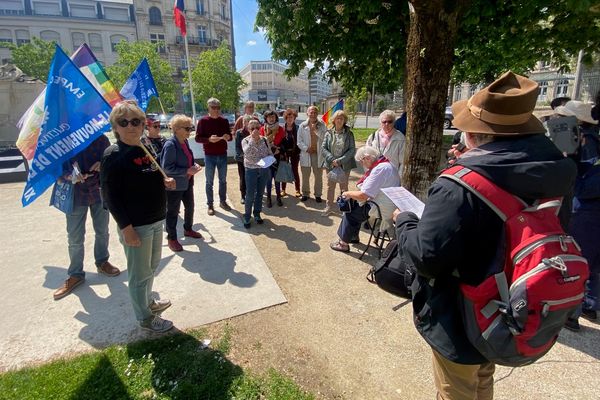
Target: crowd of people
[(142, 180)]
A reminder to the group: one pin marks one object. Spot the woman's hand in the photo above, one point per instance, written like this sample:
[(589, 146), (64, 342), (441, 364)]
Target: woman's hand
[(194, 169), (334, 163), (170, 183), (131, 237), (395, 214), (255, 133)]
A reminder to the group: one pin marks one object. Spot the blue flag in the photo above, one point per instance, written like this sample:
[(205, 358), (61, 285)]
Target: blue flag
[(140, 85), (75, 115)]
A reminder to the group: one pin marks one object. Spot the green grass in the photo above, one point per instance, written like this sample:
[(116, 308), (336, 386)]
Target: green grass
[(361, 134), (171, 367)]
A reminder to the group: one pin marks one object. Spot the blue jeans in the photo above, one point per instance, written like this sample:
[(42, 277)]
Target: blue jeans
[(76, 236), (142, 262), (256, 179), (270, 180), (210, 164)]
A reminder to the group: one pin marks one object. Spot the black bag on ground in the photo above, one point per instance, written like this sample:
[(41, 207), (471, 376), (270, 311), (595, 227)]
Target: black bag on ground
[(390, 273)]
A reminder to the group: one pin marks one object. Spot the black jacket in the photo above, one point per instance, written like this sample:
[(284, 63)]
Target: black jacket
[(458, 231)]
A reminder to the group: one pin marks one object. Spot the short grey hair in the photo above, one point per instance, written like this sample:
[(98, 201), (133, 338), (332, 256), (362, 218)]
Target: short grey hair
[(387, 114), (253, 123), (367, 151), (247, 118), (213, 101)]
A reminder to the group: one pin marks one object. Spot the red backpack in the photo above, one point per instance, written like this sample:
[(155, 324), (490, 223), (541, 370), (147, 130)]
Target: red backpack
[(514, 316)]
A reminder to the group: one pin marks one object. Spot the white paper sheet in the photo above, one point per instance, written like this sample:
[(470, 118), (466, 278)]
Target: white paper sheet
[(266, 161), (404, 200)]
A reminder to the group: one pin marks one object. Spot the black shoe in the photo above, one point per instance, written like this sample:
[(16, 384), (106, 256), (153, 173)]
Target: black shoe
[(258, 219), (225, 206), (269, 202), (572, 324), (590, 315), (304, 198), (279, 202), (318, 199), (211, 210), (246, 223)]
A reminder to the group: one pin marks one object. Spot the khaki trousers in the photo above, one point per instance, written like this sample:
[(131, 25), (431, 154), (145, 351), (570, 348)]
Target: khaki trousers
[(462, 382), (317, 172)]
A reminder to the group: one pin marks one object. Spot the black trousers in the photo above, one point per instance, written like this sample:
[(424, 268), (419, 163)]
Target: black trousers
[(174, 200), (242, 174)]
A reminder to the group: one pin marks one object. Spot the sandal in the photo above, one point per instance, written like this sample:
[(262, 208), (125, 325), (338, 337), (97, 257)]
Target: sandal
[(337, 246)]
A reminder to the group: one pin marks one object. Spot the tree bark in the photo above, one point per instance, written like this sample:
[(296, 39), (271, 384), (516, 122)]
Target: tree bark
[(431, 38)]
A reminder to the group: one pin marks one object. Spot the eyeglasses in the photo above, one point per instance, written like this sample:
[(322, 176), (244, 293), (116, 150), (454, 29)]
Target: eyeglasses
[(156, 126), (387, 122), (187, 128), (124, 122)]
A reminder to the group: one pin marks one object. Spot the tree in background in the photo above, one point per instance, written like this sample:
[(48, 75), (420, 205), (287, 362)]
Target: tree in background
[(33, 58), (129, 56), (351, 103), (382, 42), (213, 76)]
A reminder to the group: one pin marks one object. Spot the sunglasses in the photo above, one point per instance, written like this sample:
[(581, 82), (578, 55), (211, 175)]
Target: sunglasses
[(387, 122), (188, 128), (134, 122)]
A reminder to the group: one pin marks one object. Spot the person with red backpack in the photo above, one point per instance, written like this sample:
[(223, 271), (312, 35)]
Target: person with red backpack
[(490, 215)]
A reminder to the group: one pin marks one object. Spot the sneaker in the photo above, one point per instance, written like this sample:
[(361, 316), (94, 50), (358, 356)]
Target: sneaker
[(258, 219), (326, 212), (192, 234), (158, 306), (572, 324), (68, 287), (318, 199), (108, 269), (156, 324), (225, 206), (279, 201), (304, 198), (590, 315), (211, 210), (246, 222), (174, 245)]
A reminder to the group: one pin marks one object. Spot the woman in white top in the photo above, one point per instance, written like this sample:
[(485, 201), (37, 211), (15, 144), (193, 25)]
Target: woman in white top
[(389, 141)]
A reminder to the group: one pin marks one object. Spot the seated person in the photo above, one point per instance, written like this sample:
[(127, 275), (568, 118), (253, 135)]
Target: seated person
[(380, 173)]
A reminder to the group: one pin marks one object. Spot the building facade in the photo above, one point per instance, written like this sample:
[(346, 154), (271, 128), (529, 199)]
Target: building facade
[(319, 88), (104, 23), (268, 87)]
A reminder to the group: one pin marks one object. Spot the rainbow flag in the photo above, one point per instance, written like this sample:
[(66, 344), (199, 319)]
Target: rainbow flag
[(31, 122), (327, 116)]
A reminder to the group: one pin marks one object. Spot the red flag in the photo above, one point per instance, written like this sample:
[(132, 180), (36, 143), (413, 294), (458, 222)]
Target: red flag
[(179, 16)]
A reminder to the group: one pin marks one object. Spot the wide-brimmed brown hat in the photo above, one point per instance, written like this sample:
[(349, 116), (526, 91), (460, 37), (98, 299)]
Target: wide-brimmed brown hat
[(505, 107)]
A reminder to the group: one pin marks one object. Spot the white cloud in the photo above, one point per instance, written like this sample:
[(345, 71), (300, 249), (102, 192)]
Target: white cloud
[(251, 42)]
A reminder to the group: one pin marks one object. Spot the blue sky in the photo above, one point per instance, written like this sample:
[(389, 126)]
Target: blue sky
[(249, 45)]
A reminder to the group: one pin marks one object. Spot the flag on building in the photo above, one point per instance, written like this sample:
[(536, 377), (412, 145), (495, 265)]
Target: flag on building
[(74, 115), (327, 116), (140, 85), (31, 121), (179, 16)]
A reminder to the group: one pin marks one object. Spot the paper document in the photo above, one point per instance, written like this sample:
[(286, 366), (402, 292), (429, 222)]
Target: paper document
[(266, 162), (404, 200)]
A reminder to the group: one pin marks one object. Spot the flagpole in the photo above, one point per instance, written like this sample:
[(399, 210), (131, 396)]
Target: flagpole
[(187, 56), (161, 105)]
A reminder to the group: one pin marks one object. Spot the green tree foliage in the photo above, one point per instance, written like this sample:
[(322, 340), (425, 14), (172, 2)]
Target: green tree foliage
[(214, 76), (129, 56), (34, 58), (351, 103)]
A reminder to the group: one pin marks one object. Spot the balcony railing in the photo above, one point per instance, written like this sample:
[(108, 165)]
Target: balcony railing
[(194, 40), (12, 12)]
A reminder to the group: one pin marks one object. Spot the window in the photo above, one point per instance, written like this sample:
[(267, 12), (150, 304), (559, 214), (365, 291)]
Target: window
[(159, 38), (543, 90), (116, 14), (201, 34), (457, 92), (12, 7), (183, 60), (5, 36), (562, 87), (83, 11), (155, 18), (22, 37), (78, 39), (472, 90), (116, 39), (95, 41), (46, 8), (200, 7), (50, 36), (223, 11)]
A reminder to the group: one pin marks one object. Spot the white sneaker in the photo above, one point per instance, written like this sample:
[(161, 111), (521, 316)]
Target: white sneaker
[(326, 212), (156, 324), (158, 306)]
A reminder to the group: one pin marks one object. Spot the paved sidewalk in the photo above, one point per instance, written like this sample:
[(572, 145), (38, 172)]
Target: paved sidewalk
[(216, 278)]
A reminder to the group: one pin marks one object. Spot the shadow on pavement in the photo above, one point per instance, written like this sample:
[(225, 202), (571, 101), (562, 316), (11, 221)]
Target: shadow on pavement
[(585, 341)]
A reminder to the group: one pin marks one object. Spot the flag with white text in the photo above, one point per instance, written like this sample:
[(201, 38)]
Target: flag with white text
[(140, 85), (75, 114)]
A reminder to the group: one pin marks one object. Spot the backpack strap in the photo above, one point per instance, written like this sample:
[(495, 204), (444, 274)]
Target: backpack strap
[(499, 200)]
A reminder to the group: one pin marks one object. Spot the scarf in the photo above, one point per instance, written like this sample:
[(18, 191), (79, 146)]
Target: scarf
[(381, 160)]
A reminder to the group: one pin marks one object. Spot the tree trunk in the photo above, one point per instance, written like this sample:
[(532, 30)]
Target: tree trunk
[(432, 34)]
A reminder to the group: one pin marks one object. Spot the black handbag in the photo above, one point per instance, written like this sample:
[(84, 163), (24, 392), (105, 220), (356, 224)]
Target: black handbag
[(391, 274)]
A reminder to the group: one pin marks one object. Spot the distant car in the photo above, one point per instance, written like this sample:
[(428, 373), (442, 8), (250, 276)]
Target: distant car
[(164, 120), (280, 111), (448, 117), (231, 119)]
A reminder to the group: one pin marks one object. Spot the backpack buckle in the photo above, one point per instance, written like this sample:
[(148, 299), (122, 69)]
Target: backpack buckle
[(557, 263)]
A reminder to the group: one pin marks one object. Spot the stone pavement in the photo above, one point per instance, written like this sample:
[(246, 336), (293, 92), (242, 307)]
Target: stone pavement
[(216, 278)]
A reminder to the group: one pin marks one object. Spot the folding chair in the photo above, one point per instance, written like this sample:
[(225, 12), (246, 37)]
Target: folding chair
[(375, 232)]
